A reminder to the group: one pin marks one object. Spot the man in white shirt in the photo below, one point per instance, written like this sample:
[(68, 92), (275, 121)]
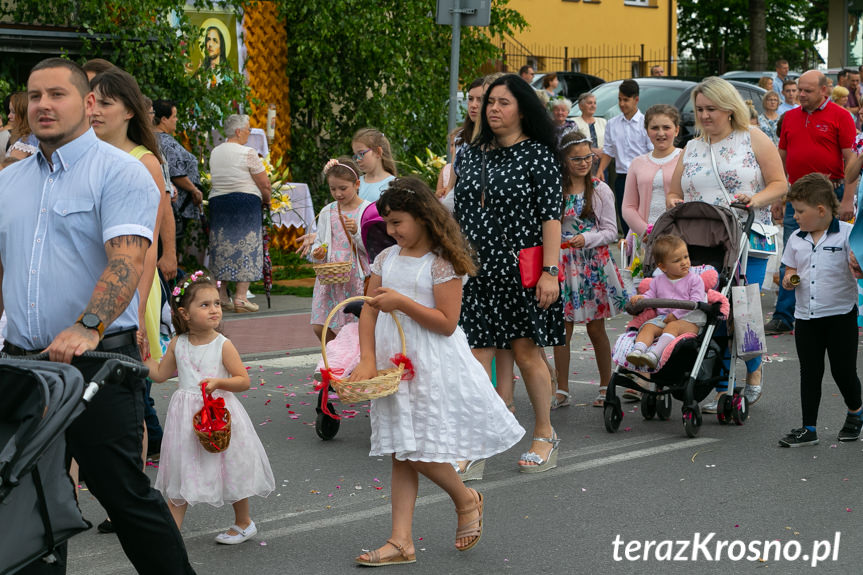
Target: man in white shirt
[(625, 139)]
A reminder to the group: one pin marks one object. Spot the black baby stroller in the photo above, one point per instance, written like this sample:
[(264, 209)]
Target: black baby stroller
[(41, 399), (375, 239), (714, 237)]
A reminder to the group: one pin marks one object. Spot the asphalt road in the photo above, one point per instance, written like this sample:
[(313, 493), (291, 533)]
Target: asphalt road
[(646, 483)]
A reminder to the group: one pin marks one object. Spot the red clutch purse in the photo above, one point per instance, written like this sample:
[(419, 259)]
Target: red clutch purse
[(530, 266)]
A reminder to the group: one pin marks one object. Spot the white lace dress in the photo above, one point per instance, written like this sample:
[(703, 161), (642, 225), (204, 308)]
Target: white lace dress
[(449, 411), (187, 472)]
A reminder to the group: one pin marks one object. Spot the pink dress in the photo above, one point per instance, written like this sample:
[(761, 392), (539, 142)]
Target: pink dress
[(326, 297)]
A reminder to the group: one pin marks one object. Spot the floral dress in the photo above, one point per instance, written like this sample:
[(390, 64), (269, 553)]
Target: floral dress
[(592, 287), (326, 297), (738, 167)]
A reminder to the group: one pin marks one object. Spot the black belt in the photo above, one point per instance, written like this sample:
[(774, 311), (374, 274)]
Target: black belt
[(110, 342)]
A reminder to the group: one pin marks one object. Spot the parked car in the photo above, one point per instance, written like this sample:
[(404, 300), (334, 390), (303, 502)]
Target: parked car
[(753, 77), (665, 91), (571, 84)]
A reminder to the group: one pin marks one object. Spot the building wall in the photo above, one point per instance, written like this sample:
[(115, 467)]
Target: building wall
[(604, 38)]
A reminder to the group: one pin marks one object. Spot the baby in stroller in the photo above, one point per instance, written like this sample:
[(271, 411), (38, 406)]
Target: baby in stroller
[(678, 282)]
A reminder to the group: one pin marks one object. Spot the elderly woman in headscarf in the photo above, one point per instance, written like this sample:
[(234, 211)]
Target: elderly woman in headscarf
[(240, 189)]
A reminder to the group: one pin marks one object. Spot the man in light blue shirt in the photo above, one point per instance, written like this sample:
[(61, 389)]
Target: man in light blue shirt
[(789, 95), (77, 219), (625, 139)]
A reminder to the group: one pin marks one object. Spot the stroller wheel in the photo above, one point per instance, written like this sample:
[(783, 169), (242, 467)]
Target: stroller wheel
[(691, 421), (723, 409), (325, 426), (739, 408), (648, 405), (663, 406), (612, 415)]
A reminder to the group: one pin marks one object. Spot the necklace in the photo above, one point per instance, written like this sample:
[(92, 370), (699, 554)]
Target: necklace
[(519, 138), (191, 352)]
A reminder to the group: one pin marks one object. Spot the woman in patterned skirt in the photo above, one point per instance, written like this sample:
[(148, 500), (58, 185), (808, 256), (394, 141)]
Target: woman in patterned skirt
[(508, 198)]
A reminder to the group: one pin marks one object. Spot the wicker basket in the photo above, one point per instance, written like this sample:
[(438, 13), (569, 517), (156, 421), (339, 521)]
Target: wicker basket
[(337, 272), (334, 272), (217, 441), (385, 383)]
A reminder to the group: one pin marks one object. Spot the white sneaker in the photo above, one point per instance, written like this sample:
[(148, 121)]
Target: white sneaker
[(635, 357), (649, 359), (242, 535)]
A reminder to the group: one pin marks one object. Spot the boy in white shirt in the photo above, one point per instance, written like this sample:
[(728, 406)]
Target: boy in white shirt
[(817, 259)]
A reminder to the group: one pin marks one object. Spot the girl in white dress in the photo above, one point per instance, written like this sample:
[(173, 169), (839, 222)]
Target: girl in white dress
[(188, 474), (449, 410)]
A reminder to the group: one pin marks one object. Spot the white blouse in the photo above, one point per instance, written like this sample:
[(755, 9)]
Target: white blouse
[(231, 168)]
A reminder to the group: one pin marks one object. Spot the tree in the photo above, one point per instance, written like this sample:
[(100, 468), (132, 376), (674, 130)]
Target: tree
[(150, 39), (719, 35), (757, 35), (355, 63)]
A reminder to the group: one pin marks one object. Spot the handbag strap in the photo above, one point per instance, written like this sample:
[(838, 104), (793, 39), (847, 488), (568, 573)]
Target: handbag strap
[(716, 172)]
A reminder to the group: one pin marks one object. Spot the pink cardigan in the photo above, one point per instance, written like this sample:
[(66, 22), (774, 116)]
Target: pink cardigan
[(639, 189), (605, 230)]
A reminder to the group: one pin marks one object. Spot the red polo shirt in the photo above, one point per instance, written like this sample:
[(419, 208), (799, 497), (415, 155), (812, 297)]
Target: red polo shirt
[(814, 142)]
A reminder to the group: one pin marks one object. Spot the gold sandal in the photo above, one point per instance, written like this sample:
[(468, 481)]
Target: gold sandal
[(473, 528), (375, 559)]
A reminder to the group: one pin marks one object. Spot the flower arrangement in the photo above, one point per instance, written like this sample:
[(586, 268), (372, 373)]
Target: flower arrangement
[(428, 169), (180, 291), (280, 201)]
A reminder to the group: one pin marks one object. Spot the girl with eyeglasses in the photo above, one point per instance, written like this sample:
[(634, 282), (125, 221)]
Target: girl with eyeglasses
[(592, 289), (373, 154)]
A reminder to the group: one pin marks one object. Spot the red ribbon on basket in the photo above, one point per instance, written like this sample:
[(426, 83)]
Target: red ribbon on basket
[(403, 360), (212, 414), (327, 375)]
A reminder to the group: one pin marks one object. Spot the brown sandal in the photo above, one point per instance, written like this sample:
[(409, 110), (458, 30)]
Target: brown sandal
[(375, 559), (473, 528)]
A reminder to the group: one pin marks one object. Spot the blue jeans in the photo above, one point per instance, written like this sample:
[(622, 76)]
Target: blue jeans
[(151, 418), (619, 187), (785, 300)]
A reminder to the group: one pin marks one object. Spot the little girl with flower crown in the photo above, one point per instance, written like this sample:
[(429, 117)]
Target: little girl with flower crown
[(339, 240), (207, 361)]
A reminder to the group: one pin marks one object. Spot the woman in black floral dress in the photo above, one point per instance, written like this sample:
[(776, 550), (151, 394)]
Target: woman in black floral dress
[(508, 197)]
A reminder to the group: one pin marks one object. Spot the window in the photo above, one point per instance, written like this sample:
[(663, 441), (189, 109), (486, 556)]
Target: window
[(639, 2)]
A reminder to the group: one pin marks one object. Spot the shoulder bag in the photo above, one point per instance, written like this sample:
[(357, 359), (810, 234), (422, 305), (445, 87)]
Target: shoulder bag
[(762, 237)]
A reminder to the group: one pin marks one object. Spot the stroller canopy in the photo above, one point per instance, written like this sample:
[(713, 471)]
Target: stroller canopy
[(711, 232), (37, 497), (374, 232)]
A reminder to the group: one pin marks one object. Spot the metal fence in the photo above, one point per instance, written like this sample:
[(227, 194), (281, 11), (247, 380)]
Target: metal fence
[(610, 62)]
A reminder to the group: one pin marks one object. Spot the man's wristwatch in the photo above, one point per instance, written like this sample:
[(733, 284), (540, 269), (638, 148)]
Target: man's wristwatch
[(551, 270), (92, 321)]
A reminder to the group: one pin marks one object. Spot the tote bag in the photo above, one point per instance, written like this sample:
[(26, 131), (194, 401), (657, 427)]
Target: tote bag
[(748, 321)]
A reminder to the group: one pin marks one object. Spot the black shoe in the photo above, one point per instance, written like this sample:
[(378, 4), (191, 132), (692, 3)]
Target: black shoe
[(106, 527), (799, 437), (776, 326), (851, 430)]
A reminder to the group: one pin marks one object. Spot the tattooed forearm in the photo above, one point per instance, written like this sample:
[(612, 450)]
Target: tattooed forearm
[(117, 284), (128, 242), (114, 290)]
